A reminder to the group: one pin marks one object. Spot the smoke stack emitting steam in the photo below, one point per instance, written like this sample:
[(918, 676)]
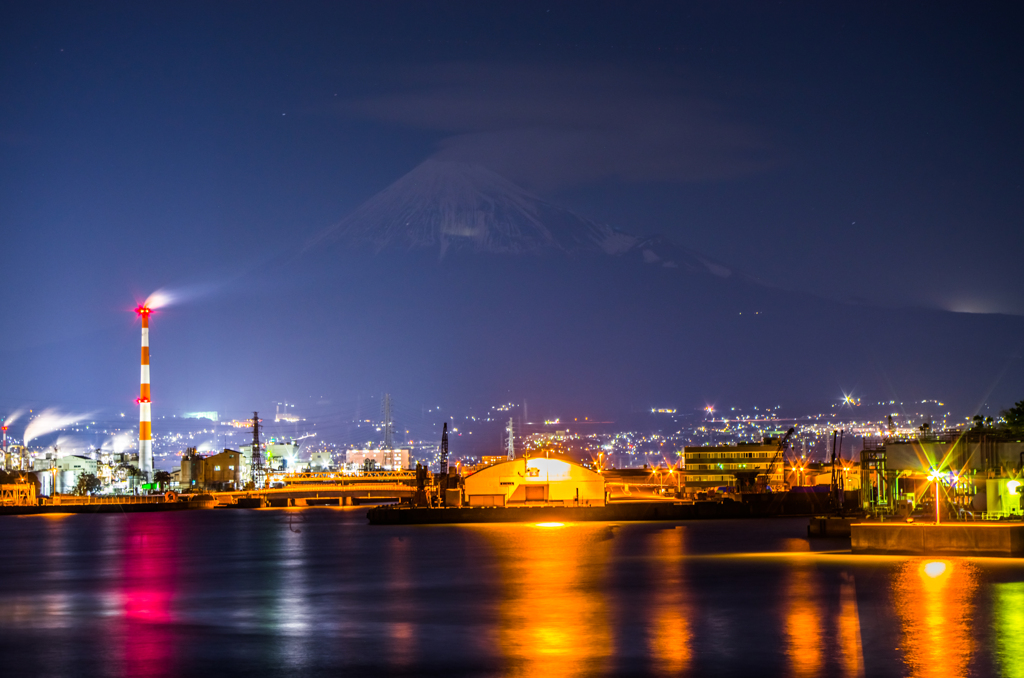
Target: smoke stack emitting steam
[(158, 299), (145, 410)]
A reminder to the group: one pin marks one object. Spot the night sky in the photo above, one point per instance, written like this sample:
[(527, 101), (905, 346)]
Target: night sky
[(866, 154)]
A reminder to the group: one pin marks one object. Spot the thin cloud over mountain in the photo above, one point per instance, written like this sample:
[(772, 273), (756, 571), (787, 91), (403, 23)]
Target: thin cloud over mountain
[(550, 128), (455, 206)]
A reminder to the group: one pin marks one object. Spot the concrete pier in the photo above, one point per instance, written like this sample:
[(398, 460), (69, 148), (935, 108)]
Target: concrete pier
[(962, 539)]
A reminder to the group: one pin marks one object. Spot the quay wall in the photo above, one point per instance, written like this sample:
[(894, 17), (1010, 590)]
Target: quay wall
[(981, 539)]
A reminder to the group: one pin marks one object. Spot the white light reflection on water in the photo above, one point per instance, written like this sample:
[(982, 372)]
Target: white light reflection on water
[(294, 608)]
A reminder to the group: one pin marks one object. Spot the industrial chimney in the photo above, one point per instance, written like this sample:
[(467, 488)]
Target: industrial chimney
[(145, 410)]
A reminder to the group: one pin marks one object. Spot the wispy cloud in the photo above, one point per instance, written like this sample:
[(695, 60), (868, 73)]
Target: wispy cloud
[(555, 127)]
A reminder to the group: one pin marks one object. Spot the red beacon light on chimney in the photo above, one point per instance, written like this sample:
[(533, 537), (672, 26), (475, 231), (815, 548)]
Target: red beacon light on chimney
[(143, 310)]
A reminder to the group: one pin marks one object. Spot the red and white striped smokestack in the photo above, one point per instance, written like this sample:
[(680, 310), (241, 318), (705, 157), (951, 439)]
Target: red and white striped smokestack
[(145, 409)]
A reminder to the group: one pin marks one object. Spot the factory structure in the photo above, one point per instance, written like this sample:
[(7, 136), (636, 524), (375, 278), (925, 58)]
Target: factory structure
[(384, 458), (975, 473), (707, 468), (232, 470), (539, 481)]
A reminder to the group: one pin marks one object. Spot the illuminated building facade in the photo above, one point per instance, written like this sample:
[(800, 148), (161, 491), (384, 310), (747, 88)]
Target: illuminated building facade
[(222, 471), (389, 459), (705, 468), (538, 481)]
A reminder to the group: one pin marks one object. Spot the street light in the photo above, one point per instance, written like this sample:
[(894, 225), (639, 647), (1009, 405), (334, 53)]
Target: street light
[(934, 476)]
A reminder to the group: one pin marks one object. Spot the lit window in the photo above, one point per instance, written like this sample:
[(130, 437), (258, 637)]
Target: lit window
[(231, 468), (216, 468)]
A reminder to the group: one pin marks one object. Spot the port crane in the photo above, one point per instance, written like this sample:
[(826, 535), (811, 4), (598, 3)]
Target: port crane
[(764, 481)]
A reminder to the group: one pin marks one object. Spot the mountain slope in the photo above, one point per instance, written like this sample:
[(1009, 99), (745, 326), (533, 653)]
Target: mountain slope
[(451, 206)]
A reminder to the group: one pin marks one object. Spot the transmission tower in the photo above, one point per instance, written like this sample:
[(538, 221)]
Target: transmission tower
[(389, 426), (258, 472), (444, 450), (510, 443)]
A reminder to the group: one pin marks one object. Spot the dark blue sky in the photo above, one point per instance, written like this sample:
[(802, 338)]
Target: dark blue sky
[(856, 151)]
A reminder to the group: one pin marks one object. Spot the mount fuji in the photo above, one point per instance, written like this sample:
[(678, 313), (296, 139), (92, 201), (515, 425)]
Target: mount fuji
[(455, 285), (459, 207)]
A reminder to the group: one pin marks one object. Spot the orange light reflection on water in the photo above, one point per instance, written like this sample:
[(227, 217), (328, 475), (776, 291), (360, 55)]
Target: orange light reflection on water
[(553, 616), (803, 622), (669, 635), (400, 629), (934, 600), (851, 649)]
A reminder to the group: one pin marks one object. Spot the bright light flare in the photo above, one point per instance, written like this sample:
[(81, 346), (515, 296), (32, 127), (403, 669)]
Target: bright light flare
[(935, 568), (550, 524), (1012, 486)]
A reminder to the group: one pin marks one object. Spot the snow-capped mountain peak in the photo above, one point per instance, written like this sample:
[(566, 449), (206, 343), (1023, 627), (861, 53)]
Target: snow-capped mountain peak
[(456, 206)]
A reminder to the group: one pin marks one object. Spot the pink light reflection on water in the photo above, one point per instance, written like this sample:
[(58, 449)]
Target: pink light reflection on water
[(147, 589)]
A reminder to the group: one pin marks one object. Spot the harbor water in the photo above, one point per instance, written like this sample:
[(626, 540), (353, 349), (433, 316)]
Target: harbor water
[(319, 592)]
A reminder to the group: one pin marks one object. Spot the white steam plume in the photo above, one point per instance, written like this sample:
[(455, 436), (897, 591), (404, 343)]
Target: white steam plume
[(164, 297), (118, 443), (48, 421), (70, 445), (13, 417)]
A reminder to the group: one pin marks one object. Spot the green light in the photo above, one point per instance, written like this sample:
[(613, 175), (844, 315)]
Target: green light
[(1009, 620)]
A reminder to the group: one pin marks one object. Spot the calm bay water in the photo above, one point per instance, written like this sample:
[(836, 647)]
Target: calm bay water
[(317, 592)]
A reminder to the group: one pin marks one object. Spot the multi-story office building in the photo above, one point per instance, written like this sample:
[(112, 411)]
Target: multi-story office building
[(733, 466)]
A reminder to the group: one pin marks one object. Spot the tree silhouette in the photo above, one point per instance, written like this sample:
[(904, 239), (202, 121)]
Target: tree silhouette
[(88, 483), (1013, 418), (162, 478)]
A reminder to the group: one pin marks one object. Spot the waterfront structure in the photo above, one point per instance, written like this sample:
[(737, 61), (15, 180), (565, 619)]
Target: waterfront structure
[(956, 449), (18, 494), (221, 471), (69, 468), (321, 460), (708, 468), (16, 458), (537, 481), (978, 469), (389, 459), (276, 457), (485, 460)]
